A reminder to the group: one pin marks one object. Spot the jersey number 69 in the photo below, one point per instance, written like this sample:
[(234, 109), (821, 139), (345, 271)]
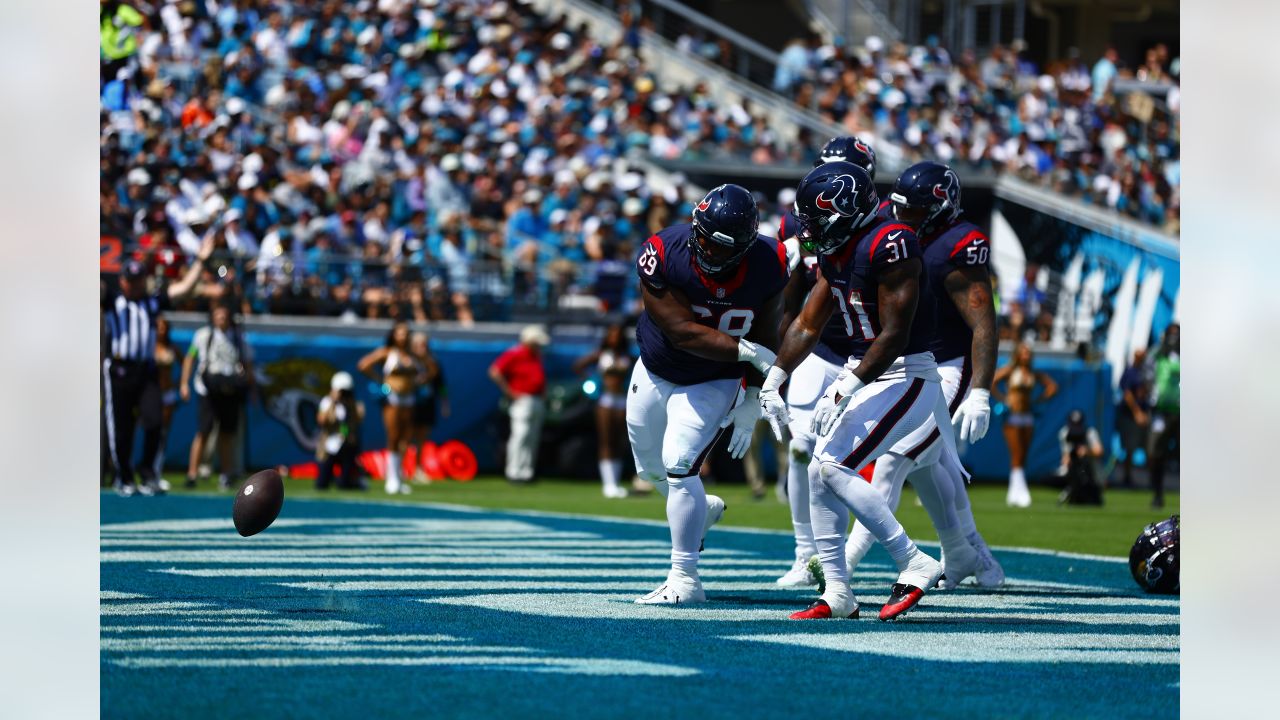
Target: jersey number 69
[(734, 321)]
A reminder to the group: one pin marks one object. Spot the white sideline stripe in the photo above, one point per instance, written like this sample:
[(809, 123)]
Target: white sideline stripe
[(573, 666), (232, 557), (424, 542), (994, 610), (536, 572), (423, 524), (640, 586), (246, 625), (117, 595), (1018, 647), (133, 645), (234, 640), (184, 609)]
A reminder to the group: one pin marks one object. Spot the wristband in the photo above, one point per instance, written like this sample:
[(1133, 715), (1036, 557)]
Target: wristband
[(775, 378)]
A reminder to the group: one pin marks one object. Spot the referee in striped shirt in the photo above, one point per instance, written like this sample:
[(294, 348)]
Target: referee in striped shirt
[(130, 381)]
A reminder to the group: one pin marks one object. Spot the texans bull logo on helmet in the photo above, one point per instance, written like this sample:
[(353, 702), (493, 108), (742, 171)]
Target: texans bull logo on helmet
[(706, 203), (946, 190), (842, 198)]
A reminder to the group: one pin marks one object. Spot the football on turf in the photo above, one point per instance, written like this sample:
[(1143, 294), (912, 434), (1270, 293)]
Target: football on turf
[(258, 502)]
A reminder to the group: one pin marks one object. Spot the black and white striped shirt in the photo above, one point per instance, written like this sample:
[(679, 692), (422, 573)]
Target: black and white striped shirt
[(131, 326)]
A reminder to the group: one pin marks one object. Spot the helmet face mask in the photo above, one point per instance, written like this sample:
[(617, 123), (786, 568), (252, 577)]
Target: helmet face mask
[(725, 226), (1153, 561)]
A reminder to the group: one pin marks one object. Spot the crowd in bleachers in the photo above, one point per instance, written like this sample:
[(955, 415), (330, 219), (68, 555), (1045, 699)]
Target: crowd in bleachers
[(1063, 125), (391, 158)]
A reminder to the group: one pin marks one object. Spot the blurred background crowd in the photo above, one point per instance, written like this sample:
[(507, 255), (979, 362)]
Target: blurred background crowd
[(451, 159)]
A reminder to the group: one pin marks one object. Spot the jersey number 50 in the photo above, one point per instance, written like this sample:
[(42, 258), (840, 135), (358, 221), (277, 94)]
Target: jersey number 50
[(734, 321)]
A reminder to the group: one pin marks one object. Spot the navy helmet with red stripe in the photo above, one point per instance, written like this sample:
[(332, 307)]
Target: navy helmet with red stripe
[(832, 202), (848, 148), (926, 196), (725, 224)]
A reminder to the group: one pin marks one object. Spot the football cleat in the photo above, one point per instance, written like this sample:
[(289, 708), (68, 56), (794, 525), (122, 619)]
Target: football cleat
[(921, 574), (715, 511), (989, 574), (798, 576), (615, 493), (841, 606), (124, 489), (675, 591)]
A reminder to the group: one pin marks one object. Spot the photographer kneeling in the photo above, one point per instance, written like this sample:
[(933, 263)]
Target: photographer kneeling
[(339, 417), (223, 374), (1081, 447)]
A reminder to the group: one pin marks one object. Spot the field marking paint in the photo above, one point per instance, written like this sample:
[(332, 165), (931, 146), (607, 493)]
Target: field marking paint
[(305, 626), (998, 647), (766, 576), (571, 666), (117, 595)]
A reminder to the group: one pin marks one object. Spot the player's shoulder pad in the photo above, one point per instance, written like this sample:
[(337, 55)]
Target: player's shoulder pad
[(651, 263), (777, 252), (892, 241), (967, 244)]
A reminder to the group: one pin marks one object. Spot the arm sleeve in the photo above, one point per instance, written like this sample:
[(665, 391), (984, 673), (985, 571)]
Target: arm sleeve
[(650, 265)]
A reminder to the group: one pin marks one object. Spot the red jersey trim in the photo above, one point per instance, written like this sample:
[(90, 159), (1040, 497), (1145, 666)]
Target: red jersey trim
[(973, 234), (782, 258), (782, 229), (875, 243), (733, 283), (657, 244)]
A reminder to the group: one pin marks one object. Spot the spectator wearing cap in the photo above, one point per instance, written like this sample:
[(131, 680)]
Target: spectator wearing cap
[(521, 376), (130, 378), (339, 419)]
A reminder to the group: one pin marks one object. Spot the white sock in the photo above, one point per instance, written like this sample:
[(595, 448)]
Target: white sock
[(858, 545), (798, 498), (393, 468), (830, 518), (871, 509), (890, 474), (687, 515), (607, 478), (1017, 480), (615, 471)]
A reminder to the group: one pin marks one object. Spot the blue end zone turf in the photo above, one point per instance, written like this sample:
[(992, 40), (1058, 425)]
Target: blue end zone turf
[(348, 609)]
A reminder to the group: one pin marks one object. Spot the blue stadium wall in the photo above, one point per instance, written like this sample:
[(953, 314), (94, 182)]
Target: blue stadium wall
[(295, 368)]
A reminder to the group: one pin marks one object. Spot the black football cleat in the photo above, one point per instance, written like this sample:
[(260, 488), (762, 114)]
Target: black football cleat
[(903, 598)]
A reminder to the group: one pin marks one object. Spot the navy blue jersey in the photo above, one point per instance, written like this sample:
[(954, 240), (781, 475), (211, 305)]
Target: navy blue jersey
[(729, 304), (853, 272), (960, 244), (834, 329)]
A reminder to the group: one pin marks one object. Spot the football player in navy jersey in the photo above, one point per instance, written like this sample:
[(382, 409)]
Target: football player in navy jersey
[(956, 253), (818, 370), (870, 271), (712, 294)]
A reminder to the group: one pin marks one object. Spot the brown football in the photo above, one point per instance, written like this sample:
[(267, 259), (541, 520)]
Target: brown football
[(258, 502)]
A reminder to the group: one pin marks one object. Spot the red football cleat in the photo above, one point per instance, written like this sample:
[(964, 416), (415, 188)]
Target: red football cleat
[(819, 611), (903, 598)]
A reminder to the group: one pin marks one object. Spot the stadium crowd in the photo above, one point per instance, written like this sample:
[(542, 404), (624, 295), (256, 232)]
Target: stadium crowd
[(391, 158), (1062, 125)]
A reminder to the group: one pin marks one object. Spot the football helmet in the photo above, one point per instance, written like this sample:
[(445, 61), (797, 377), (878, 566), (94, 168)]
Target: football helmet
[(1154, 557), (725, 225), (832, 202), (849, 149), (926, 196)]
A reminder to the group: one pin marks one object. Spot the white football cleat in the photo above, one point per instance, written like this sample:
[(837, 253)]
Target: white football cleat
[(392, 486), (989, 574), (922, 571), (958, 565), (798, 576), (677, 590), (615, 493), (1019, 494)]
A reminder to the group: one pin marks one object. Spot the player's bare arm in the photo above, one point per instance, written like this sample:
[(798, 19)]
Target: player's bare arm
[(803, 333), (793, 296), (670, 311), (765, 333), (897, 296), (970, 291)]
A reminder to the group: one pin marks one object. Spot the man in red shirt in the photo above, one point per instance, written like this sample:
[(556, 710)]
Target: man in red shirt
[(520, 375)]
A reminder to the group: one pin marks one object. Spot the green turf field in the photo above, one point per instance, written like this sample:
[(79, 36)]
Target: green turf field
[(1109, 530)]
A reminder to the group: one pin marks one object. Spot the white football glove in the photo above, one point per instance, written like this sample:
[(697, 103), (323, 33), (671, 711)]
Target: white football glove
[(743, 418), (833, 402), (973, 417), (772, 406), (760, 357)]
